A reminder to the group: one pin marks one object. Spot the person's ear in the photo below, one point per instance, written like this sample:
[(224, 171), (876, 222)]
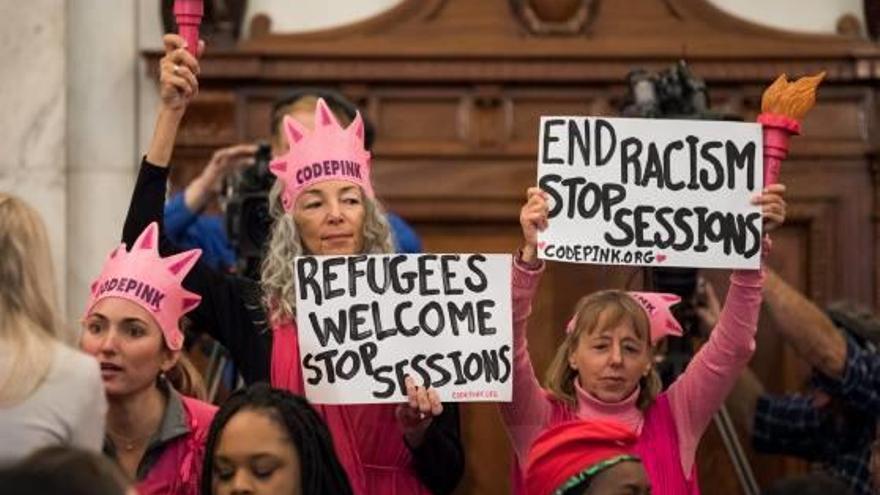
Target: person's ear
[(170, 359)]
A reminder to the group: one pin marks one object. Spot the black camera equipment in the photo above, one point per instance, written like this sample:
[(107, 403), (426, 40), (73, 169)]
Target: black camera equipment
[(247, 212), (678, 94), (683, 283)]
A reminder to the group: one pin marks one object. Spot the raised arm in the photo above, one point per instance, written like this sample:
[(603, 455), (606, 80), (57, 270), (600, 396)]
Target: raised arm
[(177, 86), (529, 410), (805, 327), (700, 391), (222, 312)]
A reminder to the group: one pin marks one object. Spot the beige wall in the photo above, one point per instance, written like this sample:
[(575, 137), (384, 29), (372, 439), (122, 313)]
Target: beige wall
[(812, 15), (795, 15)]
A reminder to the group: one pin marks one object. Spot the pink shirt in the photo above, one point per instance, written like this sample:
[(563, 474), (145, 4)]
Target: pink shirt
[(367, 438), (680, 415), (178, 470)]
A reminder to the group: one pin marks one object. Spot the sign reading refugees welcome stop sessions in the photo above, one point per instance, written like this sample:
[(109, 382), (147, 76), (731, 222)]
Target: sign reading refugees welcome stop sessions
[(366, 322)]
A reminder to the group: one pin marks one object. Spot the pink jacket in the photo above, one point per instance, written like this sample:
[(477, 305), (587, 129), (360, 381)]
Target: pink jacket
[(367, 438), (671, 428), (179, 469)]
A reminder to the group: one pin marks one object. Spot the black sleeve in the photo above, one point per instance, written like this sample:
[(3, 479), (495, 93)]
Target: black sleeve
[(439, 460), (222, 313)]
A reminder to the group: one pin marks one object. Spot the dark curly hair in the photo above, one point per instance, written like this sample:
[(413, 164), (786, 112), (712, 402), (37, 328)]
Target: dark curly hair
[(320, 469)]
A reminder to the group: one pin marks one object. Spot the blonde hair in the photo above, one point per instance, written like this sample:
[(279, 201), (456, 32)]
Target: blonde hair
[(186, 379), (29, 324), (607, 308), (285, 243)]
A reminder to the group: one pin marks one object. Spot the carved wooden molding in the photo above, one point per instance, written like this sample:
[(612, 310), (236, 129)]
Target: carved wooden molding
[(555, 17), (467, 29)]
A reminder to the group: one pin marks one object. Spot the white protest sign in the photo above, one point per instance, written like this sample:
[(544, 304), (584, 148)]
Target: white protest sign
[(651, 192), (367, 321)]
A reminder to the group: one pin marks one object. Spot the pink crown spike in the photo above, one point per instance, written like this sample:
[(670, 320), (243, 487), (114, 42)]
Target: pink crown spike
[(143, 277), (657, 306), (182, 262), (149, 237), (327, 117), (294, 130), (328, 152), (358, 126)]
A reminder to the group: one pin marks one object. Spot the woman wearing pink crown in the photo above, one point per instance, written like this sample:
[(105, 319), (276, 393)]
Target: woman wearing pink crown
[(604, 368), (132, 327), (323, 204)]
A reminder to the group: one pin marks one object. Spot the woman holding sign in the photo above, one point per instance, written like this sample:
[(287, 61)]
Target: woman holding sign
[(604, 368), (320, 209)]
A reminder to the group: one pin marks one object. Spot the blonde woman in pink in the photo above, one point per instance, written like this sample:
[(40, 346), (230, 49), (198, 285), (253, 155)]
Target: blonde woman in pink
[(604, 368)]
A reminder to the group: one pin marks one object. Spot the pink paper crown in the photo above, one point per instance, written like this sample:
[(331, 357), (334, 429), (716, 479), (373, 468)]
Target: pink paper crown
[(656, 306), (150, 281), (328, 152)]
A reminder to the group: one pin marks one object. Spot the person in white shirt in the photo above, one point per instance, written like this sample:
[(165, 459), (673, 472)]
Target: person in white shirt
[(50, 393)]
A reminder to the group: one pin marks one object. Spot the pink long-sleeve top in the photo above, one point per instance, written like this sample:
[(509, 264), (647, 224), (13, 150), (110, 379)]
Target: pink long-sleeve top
[(670, 429)]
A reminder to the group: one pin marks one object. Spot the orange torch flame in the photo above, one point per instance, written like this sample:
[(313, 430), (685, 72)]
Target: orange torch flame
[(792, 99)]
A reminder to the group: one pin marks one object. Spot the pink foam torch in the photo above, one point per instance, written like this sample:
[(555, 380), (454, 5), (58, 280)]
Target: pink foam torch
[(783, 107), (188, 14)]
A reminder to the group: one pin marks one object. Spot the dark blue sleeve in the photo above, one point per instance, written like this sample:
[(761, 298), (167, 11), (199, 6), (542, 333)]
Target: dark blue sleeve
[(178, 218), (790, 425), (860, 384), (406, 240)]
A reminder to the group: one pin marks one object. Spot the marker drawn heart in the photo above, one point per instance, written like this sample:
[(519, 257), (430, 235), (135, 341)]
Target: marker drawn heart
[(660, 258), (541, 245)]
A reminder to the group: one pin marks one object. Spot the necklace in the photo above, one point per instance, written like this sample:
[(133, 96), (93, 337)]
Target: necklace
[(127, 444)]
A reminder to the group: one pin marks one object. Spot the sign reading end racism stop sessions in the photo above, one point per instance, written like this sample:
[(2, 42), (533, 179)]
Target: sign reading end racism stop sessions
[(651, 192), (366, 322)]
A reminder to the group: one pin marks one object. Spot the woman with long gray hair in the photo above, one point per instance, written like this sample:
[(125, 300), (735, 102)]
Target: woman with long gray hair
[(412, 447)]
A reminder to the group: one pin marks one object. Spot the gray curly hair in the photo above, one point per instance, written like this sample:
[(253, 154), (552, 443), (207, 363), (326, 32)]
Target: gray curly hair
[(285, 243)]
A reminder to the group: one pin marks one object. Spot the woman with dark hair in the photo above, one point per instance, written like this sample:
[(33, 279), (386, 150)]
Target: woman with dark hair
[(266, 440)]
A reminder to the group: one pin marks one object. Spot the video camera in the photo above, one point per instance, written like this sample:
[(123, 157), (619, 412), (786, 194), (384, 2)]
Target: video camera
[(248, 221)]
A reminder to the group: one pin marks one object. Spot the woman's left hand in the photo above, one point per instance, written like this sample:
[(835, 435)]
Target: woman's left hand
[(416, 414), (772, 206)]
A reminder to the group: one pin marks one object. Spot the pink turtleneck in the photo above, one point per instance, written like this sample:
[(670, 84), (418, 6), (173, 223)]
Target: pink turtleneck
[(693, 399), (624, 412)]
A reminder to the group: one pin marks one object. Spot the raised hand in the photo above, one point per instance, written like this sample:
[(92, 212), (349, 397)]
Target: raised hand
[(178, 73), (773, 206), (416, 414), (223, 162), (532, 219)]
